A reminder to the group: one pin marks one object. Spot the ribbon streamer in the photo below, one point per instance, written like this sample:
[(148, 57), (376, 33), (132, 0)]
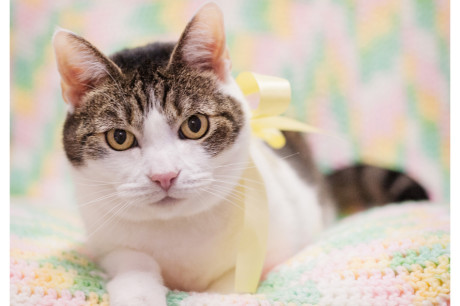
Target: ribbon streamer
[(252, 243), (267, 124)]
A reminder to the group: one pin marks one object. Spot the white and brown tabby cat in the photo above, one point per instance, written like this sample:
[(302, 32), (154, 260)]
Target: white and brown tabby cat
[(158, 137)]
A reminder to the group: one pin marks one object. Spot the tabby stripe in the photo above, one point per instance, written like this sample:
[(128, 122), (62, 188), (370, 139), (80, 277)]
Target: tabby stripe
[(176, 104), (229, 117), (129, 113), (359, 176), (149, 102), (84, 138), (412, 192), (165, 94), (363, 186), (390, 179), (139, 103)]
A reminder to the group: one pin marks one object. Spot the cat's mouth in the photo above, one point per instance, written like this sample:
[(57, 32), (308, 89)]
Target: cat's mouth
[(167, 201)]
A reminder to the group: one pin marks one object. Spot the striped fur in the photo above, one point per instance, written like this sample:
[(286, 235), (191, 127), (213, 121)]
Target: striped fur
[(358, 187), (351, 189), (124, 99)]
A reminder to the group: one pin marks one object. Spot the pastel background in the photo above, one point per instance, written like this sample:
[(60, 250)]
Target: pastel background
[(376, 73)]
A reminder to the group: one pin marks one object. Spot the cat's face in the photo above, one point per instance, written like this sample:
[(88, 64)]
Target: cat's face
[(161, 131)]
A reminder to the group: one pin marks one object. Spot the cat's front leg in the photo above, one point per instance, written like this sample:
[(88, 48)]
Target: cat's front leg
[(135, 279)]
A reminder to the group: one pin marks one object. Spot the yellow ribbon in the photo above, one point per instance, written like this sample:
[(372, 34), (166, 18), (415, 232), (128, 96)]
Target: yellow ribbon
[(274, 98), (252, 243)]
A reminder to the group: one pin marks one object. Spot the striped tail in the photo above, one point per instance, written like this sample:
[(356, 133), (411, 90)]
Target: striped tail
[(362, 186)]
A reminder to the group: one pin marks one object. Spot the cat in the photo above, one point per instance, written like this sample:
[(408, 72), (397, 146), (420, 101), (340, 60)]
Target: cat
[(158, 138)]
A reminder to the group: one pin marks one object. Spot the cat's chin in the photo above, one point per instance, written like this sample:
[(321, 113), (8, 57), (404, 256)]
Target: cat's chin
[(168, 201), (168, 208)]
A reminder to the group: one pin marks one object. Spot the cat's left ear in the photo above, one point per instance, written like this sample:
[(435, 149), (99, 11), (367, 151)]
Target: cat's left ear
[(202, 44), (82, 67)]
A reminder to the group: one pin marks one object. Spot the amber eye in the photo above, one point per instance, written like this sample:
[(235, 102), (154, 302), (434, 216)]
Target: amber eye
[(194, 127), (120, 140)]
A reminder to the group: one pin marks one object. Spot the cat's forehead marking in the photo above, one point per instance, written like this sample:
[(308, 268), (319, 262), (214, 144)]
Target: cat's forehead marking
[(156, 129)]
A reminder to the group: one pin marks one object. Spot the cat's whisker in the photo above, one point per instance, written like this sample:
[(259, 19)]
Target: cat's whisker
[(229, 193), (230, 165), (104, 197), (99, 191), (229, 188), (239, 168), (97, 181), (249, 162), (289, 156), (132, 192), (240, 198), (242, 178), (233, 184), (95, 184), (242, 168), (120, 207), (116, 206), (221, 197)]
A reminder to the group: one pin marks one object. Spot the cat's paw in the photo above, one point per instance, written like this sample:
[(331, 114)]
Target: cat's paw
[(136, 289)]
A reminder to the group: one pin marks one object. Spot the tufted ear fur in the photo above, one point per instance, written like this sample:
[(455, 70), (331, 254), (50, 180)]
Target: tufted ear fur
[(202, 44), (81, 66)]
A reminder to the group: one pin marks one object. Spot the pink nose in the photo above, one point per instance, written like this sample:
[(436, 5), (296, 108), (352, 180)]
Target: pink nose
[(165, 180)]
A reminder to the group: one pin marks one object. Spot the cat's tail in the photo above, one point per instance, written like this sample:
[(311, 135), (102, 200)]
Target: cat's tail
[(363, 186)]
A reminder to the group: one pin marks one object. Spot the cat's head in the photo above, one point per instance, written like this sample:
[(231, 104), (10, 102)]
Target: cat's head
[(159, 131)]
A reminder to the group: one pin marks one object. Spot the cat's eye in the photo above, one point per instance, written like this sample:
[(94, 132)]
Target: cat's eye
[(194, 127), (120, 140)]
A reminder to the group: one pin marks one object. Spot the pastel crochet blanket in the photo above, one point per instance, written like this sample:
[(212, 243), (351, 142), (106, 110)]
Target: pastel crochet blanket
[(394, 255)]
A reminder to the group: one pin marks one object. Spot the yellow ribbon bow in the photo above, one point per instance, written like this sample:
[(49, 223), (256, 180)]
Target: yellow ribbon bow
[(266, 123), (275, 96)]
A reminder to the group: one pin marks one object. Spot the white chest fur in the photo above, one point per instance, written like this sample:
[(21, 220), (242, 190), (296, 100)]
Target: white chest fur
[(191, 252)]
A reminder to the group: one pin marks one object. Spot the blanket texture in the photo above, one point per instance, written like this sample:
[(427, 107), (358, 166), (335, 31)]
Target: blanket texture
[(394, 255)]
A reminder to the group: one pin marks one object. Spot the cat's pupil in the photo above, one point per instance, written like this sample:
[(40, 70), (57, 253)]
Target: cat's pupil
[(119, 136), (194, 124)]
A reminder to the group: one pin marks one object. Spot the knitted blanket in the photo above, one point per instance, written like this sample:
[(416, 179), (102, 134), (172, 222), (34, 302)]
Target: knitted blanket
[(393, 255)]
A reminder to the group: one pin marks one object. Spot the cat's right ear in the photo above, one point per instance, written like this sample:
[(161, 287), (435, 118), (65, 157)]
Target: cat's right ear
[(202, 44), (82, 67)]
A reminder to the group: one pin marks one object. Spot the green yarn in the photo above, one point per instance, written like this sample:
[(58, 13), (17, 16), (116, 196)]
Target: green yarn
[(174, 298), (88, 285), (304, 293), (353, 237), (71, 265), (88, 275), (418, 256), (278, 286)]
